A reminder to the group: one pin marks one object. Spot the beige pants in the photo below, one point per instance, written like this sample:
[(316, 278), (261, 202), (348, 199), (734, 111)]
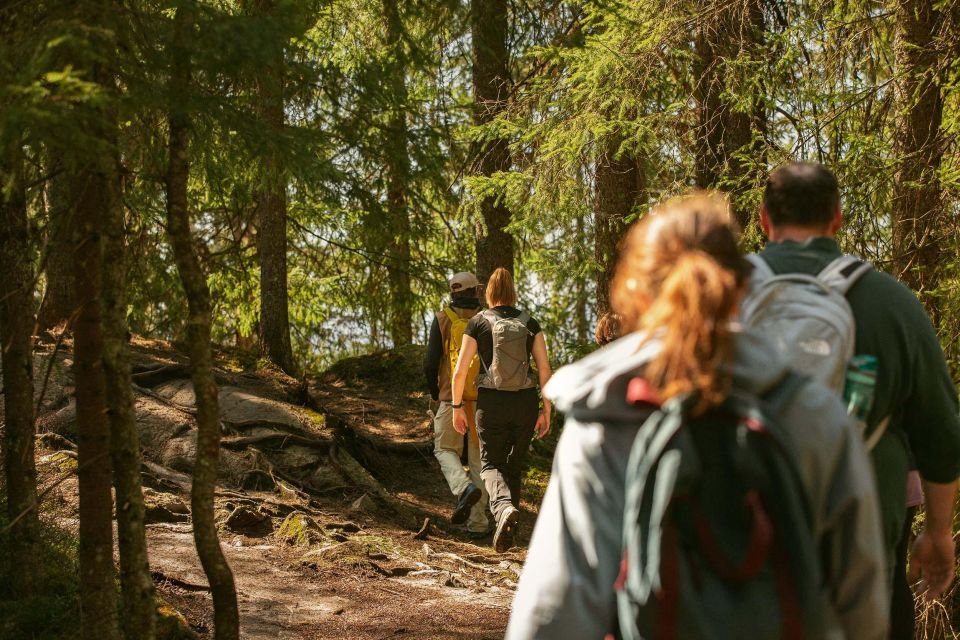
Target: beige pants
[(448, 445)]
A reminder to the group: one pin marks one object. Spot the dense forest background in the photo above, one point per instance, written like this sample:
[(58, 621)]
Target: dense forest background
[(296, 179), (346, 157)]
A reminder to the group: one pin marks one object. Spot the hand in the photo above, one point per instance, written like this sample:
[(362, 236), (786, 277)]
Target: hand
[(460, 420), (932, 562), (543, 425)]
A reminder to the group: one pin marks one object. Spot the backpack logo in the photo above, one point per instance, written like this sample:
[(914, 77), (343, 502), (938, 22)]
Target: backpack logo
[(458, 327), (717, 531), (510, 367)]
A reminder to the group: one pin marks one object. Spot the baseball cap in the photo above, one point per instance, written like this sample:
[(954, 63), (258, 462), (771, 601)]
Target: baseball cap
[(463, 280)]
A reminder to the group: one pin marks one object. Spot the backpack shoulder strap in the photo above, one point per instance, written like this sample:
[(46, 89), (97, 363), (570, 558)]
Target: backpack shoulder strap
[(524, 319), (450, 313), (491, 317), (761, 269), (871, 442), (843, 273)]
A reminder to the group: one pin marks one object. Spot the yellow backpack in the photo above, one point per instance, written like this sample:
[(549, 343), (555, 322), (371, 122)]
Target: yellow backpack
[(457, 326)]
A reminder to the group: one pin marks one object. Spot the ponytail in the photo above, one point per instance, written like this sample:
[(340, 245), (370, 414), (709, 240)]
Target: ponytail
[(679, 280), (691, 315)]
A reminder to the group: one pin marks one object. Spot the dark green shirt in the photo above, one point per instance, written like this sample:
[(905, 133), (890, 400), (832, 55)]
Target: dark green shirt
[(913, 384)]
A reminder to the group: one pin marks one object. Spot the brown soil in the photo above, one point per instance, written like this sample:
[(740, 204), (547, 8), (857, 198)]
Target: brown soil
[(354, 573)]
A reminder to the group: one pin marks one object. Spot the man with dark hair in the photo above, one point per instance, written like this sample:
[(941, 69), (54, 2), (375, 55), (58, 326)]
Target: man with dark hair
[(800, 216), (443, 349), (802, 194)]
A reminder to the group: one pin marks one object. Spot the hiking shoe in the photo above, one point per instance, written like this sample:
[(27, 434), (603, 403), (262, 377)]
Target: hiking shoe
[(503, 537), (469, 497)]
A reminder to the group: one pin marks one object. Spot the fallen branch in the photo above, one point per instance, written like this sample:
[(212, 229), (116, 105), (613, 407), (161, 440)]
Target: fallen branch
[(159, 374), (160, 577), (180, 480), (240, 442)]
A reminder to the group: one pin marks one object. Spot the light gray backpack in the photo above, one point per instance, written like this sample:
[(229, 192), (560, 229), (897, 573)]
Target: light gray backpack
[(510, 367), (809, 319)]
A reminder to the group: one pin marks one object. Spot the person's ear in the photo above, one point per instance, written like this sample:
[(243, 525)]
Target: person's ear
[(836, 222), (765, 223)]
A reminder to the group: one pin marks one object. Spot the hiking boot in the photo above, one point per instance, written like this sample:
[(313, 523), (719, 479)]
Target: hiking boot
[(503, 537), (469, 497)]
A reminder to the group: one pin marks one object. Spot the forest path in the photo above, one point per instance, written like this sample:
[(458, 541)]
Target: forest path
[(323, 488), (279, 598)]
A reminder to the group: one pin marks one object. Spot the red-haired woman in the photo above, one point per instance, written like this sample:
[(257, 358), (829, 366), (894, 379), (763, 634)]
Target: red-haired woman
[(508, 404), (677, 289)]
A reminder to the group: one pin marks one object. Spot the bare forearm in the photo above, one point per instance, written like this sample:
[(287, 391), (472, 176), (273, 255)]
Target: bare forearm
[(939, 506), (544, 378)]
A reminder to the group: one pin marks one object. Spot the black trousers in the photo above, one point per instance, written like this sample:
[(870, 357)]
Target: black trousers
[(505, 423), (902, 613)]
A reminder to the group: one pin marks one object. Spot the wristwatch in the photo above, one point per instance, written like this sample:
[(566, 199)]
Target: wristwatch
[(457, 406)]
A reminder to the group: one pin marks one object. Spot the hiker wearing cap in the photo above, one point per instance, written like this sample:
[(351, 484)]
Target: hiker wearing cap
[(913, 420), (700, 488), (503, 337), (443, 348)]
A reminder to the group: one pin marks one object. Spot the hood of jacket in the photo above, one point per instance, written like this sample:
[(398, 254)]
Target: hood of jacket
[(595, 388)]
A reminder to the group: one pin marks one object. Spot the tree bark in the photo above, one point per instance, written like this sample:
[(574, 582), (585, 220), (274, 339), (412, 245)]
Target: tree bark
[(271, 213), (58, 301), (918, 149), (91, 183), (724, 135), (98, 597), (398, 177), (618, 185), (222, 587), (491, 84), (136, 584), (16, 323)]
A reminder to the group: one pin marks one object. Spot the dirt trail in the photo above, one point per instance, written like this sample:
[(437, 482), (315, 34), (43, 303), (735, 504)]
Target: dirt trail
[(322, 489)]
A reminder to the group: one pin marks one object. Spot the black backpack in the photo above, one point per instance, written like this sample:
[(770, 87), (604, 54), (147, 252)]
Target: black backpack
[(717, 537)]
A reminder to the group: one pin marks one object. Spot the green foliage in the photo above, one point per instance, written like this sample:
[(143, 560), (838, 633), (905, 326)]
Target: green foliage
[(588, 79)]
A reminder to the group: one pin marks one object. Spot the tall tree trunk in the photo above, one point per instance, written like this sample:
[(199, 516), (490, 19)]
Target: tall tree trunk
[(16, 323), (618, 186), (225, 611), (491, 84), (98, 597), (724, 134), (92, 184), (271, 213), (398, 178), (58, 265), (136, 584), (918, 149)]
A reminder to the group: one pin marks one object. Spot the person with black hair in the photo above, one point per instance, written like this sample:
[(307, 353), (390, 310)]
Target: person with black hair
[(801, 215)]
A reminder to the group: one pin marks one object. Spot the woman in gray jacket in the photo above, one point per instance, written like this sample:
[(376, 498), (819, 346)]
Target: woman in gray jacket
[(679, 282)]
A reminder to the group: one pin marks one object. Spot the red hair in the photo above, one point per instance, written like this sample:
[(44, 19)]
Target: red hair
[(679, 278)]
